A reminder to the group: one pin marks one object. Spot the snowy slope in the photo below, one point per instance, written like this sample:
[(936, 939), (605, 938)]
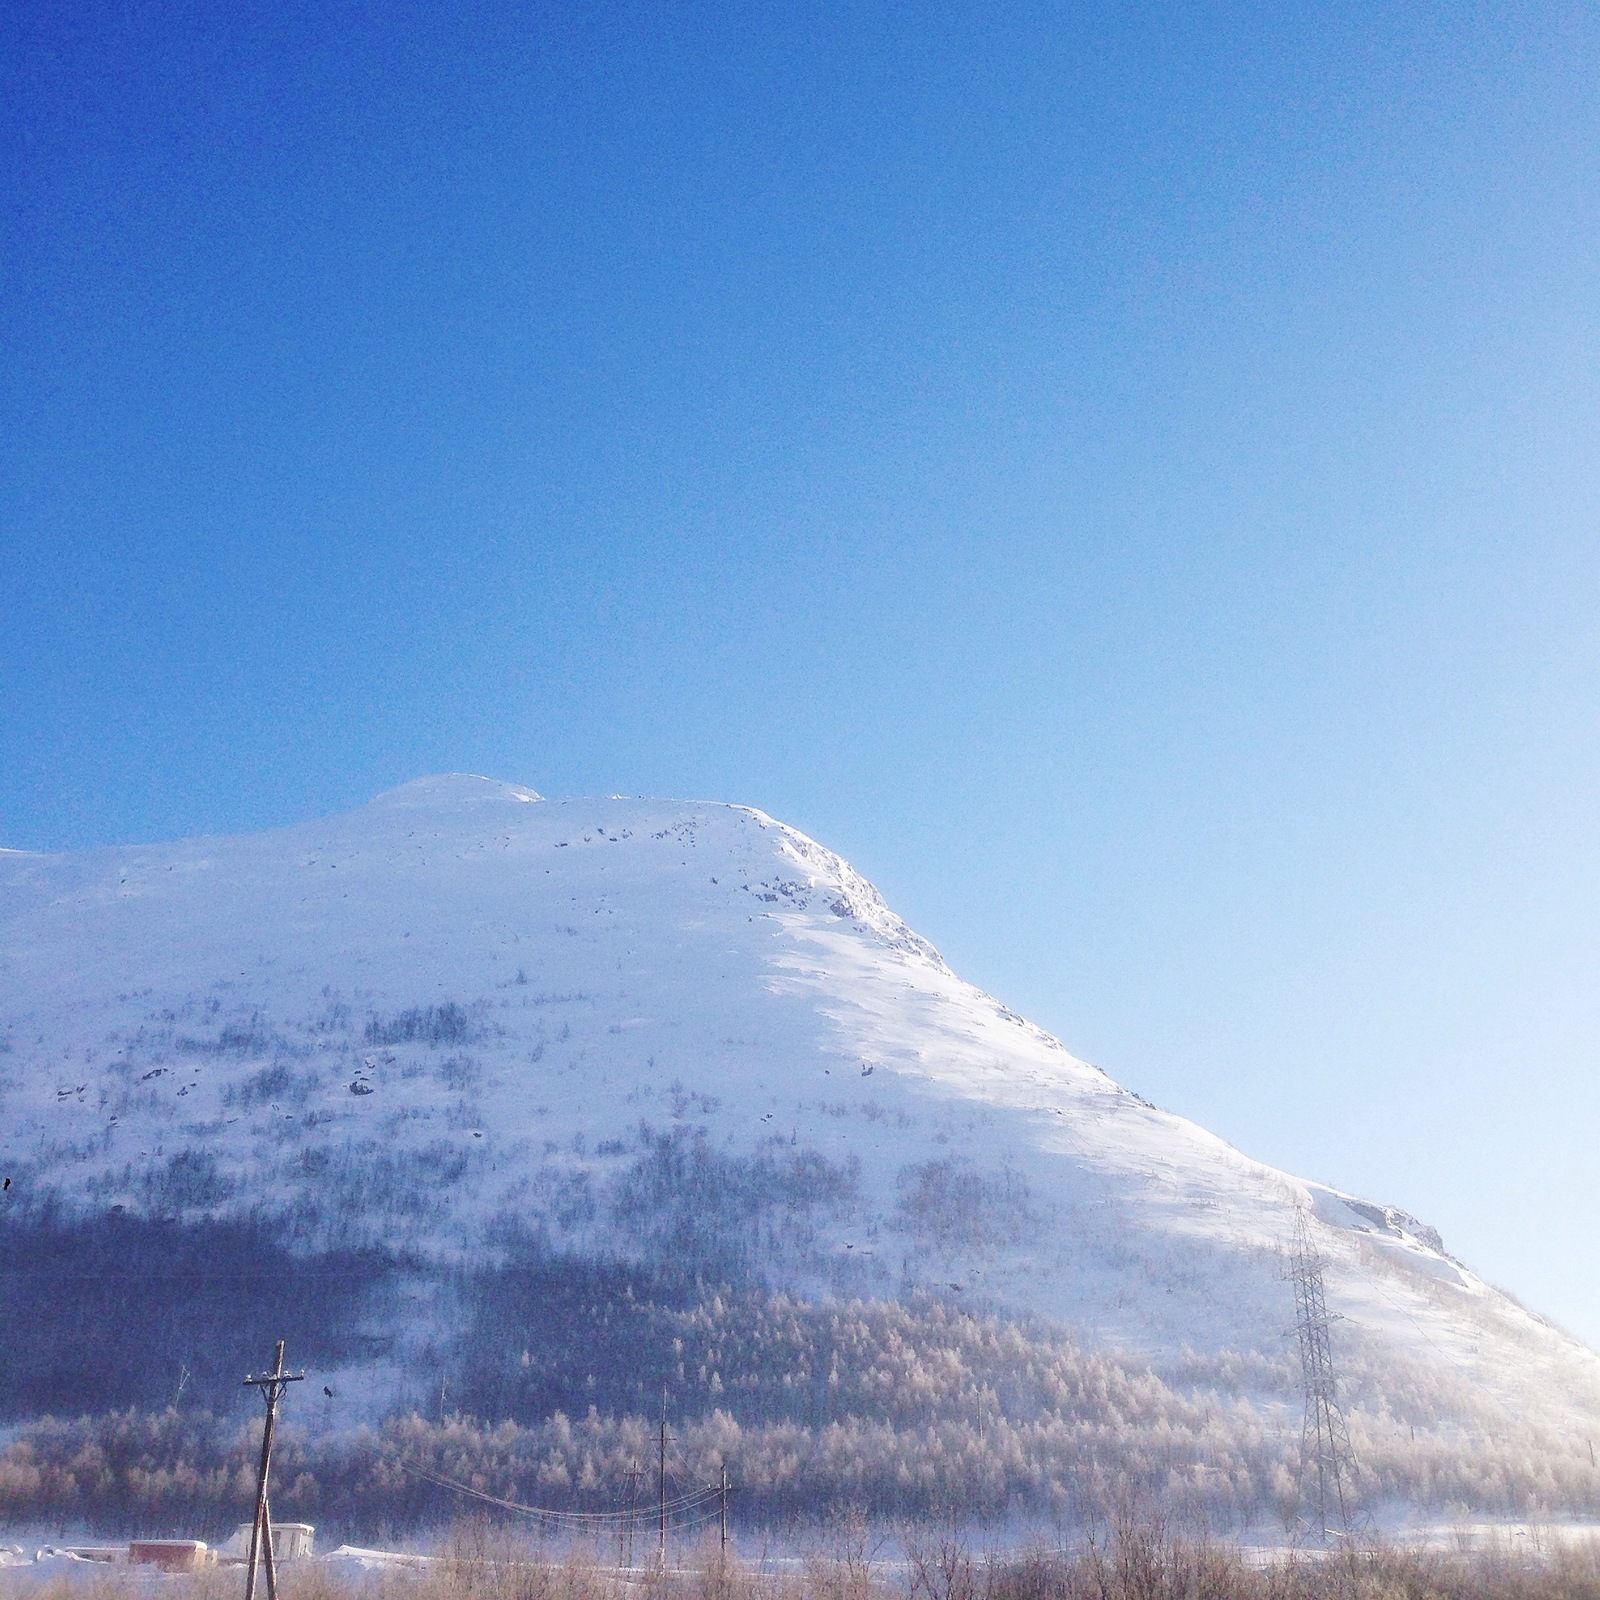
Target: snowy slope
[(446, 1015)]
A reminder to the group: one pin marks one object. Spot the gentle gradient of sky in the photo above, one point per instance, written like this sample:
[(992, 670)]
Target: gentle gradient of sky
[(1124, 475)]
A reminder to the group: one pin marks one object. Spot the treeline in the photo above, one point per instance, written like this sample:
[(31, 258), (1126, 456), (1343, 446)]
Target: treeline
[(557, 1367), (171, 1472), (553, 1335)]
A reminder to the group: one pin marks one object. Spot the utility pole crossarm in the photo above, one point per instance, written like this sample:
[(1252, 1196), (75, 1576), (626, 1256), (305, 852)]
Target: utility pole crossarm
[(273, 1380)]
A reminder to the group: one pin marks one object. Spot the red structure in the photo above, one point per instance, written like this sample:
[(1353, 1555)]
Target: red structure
[(171, 1555)]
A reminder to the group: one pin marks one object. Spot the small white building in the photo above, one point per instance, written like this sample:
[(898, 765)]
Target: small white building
[(291, 1541)]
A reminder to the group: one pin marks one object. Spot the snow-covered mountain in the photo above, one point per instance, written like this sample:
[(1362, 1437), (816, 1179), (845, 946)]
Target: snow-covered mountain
[(464, 1016)]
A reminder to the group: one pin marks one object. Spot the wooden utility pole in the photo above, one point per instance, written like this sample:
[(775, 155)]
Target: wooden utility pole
[(724, 1510), (634, 1475), (271, 1384), (661, 1487)]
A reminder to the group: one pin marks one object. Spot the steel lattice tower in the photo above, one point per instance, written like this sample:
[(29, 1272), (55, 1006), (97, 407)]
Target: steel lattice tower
[(1325, 1455)]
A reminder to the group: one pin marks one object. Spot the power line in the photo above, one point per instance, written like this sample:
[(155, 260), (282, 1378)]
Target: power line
[(677, 1509), (681, 1514)]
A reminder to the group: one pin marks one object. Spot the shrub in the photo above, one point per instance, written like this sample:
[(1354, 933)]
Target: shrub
[(449, 1023)]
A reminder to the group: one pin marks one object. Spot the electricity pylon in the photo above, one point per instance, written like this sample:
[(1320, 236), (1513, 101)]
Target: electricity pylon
[(1326, 1459)]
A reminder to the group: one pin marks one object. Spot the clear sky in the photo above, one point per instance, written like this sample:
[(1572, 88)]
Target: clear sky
[(1124, 475)]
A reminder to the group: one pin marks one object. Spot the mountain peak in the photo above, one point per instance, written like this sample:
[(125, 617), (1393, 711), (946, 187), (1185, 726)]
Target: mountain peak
[(451, 790)]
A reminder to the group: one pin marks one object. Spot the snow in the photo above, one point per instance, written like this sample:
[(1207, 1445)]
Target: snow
[(592, 964)]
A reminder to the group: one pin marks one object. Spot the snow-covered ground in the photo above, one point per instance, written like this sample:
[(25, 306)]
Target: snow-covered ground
[(447, 1014)]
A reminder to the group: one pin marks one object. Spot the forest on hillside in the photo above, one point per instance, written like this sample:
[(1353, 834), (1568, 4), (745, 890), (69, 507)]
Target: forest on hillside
[(897, 1410)]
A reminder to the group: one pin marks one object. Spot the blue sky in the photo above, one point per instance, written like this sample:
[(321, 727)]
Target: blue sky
[(1126, 476)]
